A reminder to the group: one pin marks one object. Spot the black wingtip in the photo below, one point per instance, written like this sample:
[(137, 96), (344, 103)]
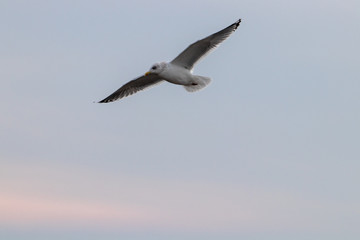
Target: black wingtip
[(237, 23), (105, 101)]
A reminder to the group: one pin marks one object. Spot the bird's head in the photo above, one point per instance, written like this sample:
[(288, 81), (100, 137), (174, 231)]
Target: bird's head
[(156, 68)]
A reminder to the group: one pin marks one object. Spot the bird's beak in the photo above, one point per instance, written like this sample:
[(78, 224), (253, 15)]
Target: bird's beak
[(147, 73)]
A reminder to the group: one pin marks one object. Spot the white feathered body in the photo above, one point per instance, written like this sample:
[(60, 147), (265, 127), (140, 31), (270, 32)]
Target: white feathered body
[(182, 76), (176, 74)]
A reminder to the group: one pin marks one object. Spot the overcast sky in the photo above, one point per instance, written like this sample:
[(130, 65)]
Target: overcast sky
[(269, 150)]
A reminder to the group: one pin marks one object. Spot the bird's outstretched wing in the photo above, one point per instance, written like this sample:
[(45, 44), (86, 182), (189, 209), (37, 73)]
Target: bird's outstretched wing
[(197, 50), (132, 87)]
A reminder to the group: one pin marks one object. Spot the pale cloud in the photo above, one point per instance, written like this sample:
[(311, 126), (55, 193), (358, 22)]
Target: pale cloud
[(35, 196), (23, 210)]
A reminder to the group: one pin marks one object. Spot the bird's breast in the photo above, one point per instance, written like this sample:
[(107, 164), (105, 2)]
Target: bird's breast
[(177, 75)]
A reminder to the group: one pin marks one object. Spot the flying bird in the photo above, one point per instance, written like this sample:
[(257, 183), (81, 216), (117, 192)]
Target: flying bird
[(179, 70)]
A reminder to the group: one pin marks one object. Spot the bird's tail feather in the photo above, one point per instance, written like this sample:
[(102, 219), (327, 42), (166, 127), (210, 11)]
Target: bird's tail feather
[(199, 83)]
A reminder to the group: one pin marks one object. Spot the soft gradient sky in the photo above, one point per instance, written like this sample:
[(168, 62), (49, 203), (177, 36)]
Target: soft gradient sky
[(269, 150)]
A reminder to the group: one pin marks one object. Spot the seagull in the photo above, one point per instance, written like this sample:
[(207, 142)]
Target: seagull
[(179, 70)]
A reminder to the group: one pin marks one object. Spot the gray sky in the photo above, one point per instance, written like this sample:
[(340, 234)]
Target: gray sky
[(269, 150)]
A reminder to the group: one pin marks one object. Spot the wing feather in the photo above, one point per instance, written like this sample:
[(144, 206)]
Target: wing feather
[(132, 87), (199, 49)]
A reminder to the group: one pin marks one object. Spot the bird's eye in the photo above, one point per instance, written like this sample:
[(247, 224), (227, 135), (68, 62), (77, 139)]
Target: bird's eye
[(153, 68)]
